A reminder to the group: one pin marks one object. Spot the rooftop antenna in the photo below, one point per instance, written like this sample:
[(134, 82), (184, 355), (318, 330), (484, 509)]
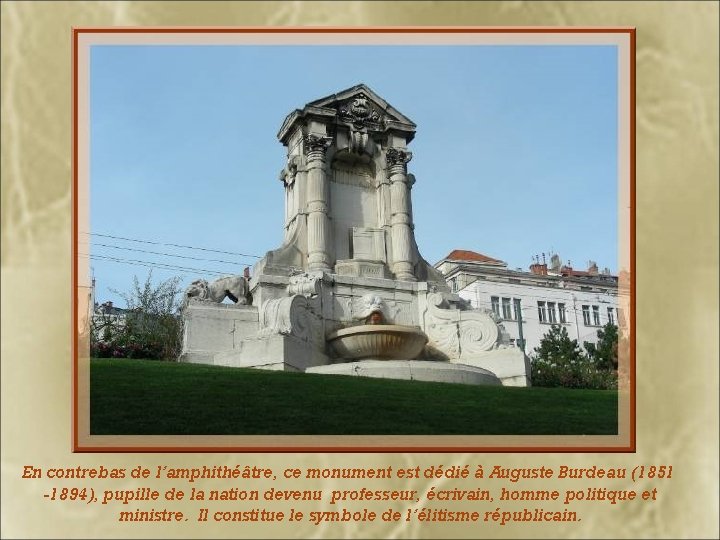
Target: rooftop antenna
[(543, 258)]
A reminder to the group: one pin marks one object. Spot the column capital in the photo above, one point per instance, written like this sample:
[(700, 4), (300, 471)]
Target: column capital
[(397, 157), (315, 146)]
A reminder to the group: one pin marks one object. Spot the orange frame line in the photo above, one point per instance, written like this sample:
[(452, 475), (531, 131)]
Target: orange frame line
[(630, 31)]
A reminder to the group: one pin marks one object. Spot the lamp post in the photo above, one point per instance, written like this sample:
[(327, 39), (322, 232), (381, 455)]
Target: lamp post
[(518, 313)]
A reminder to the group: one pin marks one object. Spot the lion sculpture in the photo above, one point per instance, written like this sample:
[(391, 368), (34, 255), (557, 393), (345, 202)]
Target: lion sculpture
[(233, 287)]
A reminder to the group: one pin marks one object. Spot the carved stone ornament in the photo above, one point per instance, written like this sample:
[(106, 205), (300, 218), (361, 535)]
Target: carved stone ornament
[(360, 143), (459, 333), (397, 156), (291, 315), (316, 144), (366, 305), (360, 113), (288, 173), (305, 284)]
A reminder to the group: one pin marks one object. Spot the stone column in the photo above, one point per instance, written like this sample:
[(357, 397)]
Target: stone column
[(317, 204), (400, 220)]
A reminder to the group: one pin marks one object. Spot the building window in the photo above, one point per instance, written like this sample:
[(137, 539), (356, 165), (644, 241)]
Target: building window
[(551, 312), (596, 315), (586, 315), (561, 313), (542, 315), (495, 302), (506, 311), (453, 285), (611, 316)]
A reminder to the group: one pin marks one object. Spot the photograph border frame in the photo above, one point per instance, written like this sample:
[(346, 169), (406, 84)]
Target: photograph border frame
[(135, 443)]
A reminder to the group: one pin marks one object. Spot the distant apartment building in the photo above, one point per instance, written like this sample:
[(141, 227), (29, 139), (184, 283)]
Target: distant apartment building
[(529, 303), (104, 316), (107, 319)]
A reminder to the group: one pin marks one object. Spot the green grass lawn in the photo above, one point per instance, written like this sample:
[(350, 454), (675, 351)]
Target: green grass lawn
[(140, 397)]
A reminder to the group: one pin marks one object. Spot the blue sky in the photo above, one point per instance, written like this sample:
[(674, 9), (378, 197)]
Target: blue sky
[(515, 152)]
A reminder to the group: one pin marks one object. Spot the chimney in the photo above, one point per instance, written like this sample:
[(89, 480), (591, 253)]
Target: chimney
[(592, 268), (246, 272), (539, 269)]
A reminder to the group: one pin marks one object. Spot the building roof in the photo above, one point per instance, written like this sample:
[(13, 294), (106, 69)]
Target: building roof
[(472, 256), (107, 308), (564, 271)]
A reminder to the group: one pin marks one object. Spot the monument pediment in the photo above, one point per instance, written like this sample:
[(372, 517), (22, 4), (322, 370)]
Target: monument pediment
[(359, 107)]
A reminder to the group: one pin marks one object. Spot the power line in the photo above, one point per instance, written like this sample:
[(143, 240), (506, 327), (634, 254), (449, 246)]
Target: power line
[(169, 254), (170, 244), (151, 264)]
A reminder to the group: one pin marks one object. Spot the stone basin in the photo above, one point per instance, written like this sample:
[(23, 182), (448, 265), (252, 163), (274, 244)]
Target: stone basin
[(378, 341)]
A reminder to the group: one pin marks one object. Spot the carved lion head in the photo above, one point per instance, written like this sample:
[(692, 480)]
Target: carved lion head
[(197, 289)]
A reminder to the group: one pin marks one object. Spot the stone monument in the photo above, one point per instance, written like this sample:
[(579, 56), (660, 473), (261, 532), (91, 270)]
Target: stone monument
[(348, 292)]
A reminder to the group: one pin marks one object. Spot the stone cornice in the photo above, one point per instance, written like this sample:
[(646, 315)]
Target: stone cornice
[(301, 116)]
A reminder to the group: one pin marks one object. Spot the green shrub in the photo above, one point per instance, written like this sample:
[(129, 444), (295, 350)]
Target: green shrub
[(558, 361), (573, 374), (605, 352)]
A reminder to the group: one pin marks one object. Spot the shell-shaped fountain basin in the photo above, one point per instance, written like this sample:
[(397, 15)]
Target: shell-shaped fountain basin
[(378, 341)]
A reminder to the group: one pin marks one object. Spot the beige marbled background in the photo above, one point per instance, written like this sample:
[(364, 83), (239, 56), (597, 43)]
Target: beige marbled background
[(677, 265)]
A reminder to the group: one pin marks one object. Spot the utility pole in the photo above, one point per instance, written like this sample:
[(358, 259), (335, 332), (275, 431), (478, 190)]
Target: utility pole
[(518, 313)]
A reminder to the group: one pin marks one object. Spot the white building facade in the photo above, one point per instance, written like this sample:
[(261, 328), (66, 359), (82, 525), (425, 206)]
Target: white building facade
[(529, 303)]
